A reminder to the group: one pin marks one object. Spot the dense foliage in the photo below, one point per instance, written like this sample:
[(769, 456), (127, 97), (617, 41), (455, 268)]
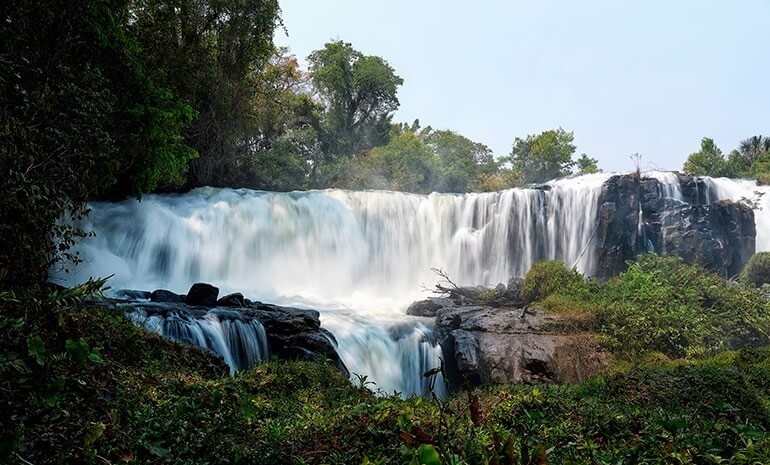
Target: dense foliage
[(663, 305), (546, 278), (757, 270), (80, 384), (750, 160)]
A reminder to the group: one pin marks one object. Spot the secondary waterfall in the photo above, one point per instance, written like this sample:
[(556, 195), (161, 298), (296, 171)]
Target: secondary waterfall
[(358, 257)]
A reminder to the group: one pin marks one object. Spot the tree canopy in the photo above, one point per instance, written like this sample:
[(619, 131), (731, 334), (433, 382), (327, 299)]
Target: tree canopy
[(750, 159), (545, 156), (359, 95)]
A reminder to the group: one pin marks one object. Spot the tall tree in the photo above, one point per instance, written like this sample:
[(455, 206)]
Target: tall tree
[(205, 52), (79, 112), (462, 161), (545, 156), (708, 161), (754, 147), (359, 95)]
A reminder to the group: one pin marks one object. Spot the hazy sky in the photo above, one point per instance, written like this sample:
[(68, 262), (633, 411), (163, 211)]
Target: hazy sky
[(650, 76)]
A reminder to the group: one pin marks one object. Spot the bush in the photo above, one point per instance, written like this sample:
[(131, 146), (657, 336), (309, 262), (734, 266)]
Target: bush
[(662, 304), (549, 277), (757, 270)]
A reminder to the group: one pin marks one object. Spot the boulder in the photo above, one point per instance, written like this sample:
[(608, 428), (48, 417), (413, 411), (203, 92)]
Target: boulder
[(232, 300), (164, 296), (426, 308), (131, 294), (291, 329), (202, 295), (484, 344)]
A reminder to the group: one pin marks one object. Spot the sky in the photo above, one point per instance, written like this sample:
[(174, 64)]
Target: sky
[(651, 77)]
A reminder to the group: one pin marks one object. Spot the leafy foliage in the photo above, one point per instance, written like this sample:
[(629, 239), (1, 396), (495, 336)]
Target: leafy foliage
[(359, 92), (757, 270), (659, 304), (547, 277), (586, 164), (145, 399), (751, 159), (709, 161), (545, 156)]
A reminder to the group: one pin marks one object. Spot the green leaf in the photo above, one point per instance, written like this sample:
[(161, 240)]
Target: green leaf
[(78, 350), (36, 348), (426, 455), (93, 433)]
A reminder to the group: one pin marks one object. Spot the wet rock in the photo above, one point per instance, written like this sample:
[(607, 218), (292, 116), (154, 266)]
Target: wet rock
[(164, 296), (202, 295), (426, 308), (636, 217), (291, 328), (131, 294), (232, 300)]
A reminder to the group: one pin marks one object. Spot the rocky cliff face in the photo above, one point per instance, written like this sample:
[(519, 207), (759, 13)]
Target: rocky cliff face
[(637, 216)]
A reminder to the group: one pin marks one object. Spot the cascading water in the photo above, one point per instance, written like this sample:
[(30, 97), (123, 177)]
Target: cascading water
[(358, 257), (242, 343)]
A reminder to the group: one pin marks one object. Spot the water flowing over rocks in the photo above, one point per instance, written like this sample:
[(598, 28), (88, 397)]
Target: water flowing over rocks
[(360, 258), (243, 336), (640, 215)]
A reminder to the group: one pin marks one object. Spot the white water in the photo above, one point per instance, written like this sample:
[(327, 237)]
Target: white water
[(746, 190), (358, 257), (242, 344)]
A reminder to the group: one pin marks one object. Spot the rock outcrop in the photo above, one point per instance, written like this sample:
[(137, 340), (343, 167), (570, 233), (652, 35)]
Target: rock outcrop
[(484, 344), (290, 332), (637, 216)]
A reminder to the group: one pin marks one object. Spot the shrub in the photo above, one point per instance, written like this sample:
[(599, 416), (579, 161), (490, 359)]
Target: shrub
[(662, 304), (757, 270), (549, 277)]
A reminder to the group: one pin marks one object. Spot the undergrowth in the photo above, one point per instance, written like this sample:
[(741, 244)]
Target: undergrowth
[(81, 384)]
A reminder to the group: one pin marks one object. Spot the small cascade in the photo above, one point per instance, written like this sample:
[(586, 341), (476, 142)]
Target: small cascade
[(758, 197), (392, 357), (241, 342), (671, 187)]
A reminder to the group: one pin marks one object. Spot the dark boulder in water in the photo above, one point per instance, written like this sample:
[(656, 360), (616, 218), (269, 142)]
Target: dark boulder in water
[(202, 295), (232, 300), (164, 296)]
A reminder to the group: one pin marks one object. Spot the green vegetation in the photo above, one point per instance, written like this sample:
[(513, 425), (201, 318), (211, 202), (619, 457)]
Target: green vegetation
[(757, 270), (81, 384), (750, 160), (548, 277), (661, 305), (545, 156)]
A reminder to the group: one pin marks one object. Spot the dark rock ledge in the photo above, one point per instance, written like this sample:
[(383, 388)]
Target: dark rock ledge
[(292, 333)]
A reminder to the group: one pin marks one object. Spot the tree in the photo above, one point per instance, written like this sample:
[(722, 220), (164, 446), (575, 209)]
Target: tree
[(709, 161), (405, 164), (754, 147), (545, 156), (206, 52), (461, 160), (359, 95), (79, 113), (587, 165)]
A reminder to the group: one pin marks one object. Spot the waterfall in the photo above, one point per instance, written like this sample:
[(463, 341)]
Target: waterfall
[(358, 257), (241, 342)]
